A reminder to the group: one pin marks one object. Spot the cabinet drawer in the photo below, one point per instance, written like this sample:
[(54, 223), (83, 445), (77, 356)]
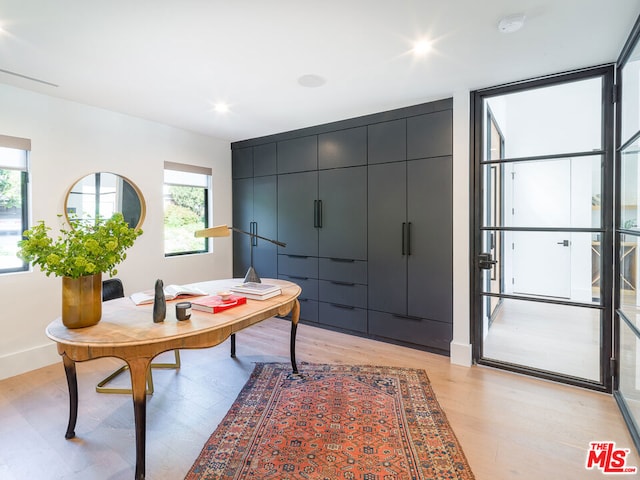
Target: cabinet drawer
[(348, 294), (298, 266), (428, 333), (339, 316), (353, 271), (308, 310), (309, 286)]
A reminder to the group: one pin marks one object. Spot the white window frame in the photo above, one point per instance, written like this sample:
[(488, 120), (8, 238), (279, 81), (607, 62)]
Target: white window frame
[(17, 158), (190, 175)]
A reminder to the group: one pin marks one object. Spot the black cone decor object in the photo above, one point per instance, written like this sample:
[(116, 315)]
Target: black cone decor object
[(159, 304)]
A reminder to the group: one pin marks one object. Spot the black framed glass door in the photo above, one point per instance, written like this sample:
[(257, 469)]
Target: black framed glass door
[(627, 319), (543, 236)]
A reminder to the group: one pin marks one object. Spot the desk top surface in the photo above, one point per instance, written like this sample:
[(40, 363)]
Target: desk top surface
[(124, 323)]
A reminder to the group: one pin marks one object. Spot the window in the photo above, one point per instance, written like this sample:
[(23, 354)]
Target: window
[(14, 153), (186, 208)]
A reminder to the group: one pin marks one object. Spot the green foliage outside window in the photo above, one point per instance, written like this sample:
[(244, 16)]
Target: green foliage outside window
[(10, 195), (184, 213), (12, 213), (190, 198)]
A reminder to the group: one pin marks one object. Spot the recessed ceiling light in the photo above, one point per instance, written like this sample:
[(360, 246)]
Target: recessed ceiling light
[(511, 23), (311, 80), (421, 47), (221, 107)]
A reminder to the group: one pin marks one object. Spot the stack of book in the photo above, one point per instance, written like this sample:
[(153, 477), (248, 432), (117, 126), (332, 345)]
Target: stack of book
[(215, 303), (257, 291)]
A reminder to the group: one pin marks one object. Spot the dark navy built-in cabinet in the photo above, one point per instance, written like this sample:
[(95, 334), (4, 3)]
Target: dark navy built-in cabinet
[(365, 208)]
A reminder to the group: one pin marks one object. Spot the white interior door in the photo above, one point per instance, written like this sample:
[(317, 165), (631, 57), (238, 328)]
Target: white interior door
[(542, 198)]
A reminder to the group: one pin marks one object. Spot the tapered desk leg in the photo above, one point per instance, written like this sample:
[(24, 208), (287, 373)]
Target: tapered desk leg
[(233, 345), (138, 368), (72, 383), (295, 316)]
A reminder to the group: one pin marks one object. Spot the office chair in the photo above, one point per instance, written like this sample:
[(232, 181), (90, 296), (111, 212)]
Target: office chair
[(112, 289)]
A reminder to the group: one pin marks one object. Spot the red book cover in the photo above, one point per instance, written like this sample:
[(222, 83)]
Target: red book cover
[(215, 304)]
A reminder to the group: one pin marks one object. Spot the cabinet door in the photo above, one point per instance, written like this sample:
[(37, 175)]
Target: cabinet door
[(430, 135), (265, 254), (242, 218), (343, 193), (242, 162), (387, 141), (297, 197), (419, 331), (343, 148), (430, 263), (264, 160), (298, 154), (386, 214)]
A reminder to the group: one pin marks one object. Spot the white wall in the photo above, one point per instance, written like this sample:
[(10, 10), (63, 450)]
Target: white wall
[(461, 352), (70, 140)]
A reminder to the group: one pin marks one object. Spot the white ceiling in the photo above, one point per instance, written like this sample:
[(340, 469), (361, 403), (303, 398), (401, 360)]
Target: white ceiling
[(170, 60)]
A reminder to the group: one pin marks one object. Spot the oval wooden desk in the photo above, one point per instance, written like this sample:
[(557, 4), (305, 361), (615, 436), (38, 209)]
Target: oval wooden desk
[(127, 331)]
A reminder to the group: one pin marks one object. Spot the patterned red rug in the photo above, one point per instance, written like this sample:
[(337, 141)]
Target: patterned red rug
[(333, 422)]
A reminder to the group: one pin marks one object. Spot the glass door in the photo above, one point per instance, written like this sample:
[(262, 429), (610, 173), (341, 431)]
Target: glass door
[(542, 248), (627, 385)]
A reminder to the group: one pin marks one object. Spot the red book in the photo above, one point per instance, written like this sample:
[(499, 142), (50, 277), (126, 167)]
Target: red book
[(215, 304)]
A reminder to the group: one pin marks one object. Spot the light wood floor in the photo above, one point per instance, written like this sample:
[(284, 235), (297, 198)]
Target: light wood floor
[(510, 426), (556, 338)]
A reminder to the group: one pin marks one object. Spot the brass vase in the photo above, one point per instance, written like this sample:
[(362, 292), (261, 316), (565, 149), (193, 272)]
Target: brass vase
[(81, 301)]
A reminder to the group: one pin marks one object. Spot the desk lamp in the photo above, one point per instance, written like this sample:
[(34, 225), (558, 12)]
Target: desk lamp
[(225, 231)]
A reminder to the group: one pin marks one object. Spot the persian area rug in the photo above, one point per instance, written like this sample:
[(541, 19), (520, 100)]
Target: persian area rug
[(333, 422)]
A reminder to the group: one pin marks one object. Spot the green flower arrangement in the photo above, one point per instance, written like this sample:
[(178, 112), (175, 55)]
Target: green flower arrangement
[(84, 249)]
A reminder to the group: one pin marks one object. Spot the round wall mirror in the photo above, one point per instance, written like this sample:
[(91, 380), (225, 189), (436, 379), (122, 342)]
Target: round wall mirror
[(101, 194)]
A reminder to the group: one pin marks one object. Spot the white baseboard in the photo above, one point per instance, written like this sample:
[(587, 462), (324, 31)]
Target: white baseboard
[(461, 354), (27, 360), (44, 355)]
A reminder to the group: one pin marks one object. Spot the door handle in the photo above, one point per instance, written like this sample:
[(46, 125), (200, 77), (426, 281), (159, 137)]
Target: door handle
[(406, 238), (317, 213), (564, 243)]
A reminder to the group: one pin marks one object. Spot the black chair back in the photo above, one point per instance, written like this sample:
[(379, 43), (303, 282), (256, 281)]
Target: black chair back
[(112, 288)]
